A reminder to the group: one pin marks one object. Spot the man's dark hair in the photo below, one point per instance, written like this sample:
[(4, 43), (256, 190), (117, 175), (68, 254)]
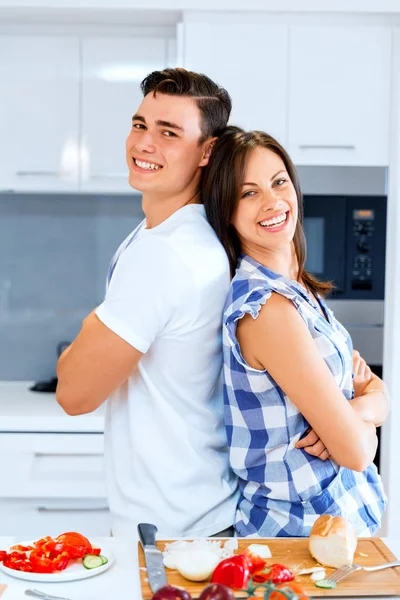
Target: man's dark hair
[(213, 101)]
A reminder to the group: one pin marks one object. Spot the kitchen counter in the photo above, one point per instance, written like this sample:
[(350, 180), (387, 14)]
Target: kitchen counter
[(120, 582), (24, 411)]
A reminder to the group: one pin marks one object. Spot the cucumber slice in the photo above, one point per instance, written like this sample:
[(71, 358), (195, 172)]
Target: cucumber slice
[(104, 559), (93, 561), (324, 583)]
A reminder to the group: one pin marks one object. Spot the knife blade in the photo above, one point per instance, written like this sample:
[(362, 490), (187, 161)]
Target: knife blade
[(153, 556)]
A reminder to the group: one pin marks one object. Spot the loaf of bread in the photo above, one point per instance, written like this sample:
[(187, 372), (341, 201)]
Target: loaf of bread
[(333, 541)]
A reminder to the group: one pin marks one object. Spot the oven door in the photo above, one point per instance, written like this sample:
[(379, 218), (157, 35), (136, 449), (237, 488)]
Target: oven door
[(325, 230)]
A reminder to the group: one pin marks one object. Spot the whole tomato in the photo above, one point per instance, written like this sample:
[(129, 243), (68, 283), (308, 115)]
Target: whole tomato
[(171, 592)]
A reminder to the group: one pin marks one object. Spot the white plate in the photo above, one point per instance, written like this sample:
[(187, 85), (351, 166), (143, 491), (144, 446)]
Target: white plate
[(73, 572)]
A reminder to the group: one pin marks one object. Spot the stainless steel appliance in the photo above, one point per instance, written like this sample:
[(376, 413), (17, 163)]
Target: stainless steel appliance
[(346, 241)]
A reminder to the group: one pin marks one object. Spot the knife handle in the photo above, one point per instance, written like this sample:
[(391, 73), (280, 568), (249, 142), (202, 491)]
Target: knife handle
[(147, 534)]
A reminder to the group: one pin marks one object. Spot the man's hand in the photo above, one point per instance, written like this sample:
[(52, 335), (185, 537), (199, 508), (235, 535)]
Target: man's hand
[(362, 374), (313, 445)]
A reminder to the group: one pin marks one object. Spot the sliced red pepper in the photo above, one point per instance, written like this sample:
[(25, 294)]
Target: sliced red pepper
[(234, 572), (20, 548), (256, 561), (17, 564), (276, 573), (3, 554), (41, 564), (75, 544), (96, 551)]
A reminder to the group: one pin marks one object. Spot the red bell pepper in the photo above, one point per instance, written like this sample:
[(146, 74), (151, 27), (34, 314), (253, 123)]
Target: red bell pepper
[(276, 573), (3, 554), (75, 544), (257, 563), (234, 572)]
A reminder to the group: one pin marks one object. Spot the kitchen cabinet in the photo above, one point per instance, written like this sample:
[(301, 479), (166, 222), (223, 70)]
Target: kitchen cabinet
[(52, 483), (112, 69), (39, 113), (339, 99), (65, 109), (242, 57)]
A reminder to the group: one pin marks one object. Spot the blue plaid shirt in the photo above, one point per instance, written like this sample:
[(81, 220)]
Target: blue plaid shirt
[(283, 489)]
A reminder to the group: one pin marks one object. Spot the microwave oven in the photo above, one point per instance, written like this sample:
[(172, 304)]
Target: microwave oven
[(346, 241)]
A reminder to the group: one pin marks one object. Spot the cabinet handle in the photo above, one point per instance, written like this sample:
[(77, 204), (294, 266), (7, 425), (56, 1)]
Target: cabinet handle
[(109, 175), (37, 174), (327, 146), (46, 509), (68, 455)]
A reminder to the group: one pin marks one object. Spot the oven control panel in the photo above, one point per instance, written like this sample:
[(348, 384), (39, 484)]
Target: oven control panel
[(363, 231)]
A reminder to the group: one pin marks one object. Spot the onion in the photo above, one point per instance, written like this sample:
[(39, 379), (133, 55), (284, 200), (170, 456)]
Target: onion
[(196, 565), (261, 550)]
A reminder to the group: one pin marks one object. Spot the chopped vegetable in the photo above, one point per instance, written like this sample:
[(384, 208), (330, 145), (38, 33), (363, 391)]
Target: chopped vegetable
[(75, 544), (257, 561), (318, 575), (310, 570), (276, 573), (48, 555), (234, 572), (92, 561), (326, 584), (197, 565), (174, 549)]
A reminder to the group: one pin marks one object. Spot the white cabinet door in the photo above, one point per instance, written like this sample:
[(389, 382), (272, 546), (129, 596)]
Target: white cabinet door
[(50, 465), (243, 59), (32, 519), (339, 95), (112, 71), (39, 113)]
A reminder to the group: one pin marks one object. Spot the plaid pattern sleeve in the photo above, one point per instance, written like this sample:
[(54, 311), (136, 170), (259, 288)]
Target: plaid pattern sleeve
[(283, 489)]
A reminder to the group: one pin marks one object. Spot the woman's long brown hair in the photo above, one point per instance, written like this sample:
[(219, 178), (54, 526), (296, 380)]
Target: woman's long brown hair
[(222, 181)]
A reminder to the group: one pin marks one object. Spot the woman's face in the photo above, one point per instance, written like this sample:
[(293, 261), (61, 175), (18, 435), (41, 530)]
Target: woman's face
[(266, 214)]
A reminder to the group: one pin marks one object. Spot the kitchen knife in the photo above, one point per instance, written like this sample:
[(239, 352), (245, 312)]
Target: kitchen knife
[(153, 556)]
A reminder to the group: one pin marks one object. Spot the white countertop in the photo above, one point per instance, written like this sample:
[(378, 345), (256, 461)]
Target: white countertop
[(25, 411), (120, 581)]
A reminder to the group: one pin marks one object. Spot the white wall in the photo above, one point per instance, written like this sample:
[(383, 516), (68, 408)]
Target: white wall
[(391, 439)]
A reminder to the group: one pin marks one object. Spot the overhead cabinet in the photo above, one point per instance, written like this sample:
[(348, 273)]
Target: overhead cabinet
[(323, 91), (339, 100), (65, 109), (243, 59), (39, 113)]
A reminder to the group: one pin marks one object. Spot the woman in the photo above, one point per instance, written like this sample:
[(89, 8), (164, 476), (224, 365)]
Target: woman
[(302, 432)]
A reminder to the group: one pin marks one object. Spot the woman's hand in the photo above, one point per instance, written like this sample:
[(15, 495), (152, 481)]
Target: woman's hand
[(313, 445), (362, 373)]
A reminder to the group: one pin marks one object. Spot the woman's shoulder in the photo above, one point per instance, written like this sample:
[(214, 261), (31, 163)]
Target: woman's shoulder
[(252, 286)]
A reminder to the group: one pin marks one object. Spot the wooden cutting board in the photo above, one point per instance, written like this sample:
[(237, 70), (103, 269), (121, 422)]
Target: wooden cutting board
[(293, 552)]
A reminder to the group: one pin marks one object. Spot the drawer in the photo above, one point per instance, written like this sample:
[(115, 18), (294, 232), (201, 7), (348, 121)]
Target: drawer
[(34, 518), (52, 465)]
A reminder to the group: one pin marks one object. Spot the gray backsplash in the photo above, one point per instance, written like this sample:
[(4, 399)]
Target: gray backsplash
[(54, 255)]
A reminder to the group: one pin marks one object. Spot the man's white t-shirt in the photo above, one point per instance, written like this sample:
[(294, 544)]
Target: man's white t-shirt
[(166, 454)]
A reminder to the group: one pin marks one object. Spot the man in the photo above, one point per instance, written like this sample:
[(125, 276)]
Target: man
[(154, 346)]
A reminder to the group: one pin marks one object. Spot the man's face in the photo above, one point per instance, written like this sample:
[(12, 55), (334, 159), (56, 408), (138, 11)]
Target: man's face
[(163, 152)]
